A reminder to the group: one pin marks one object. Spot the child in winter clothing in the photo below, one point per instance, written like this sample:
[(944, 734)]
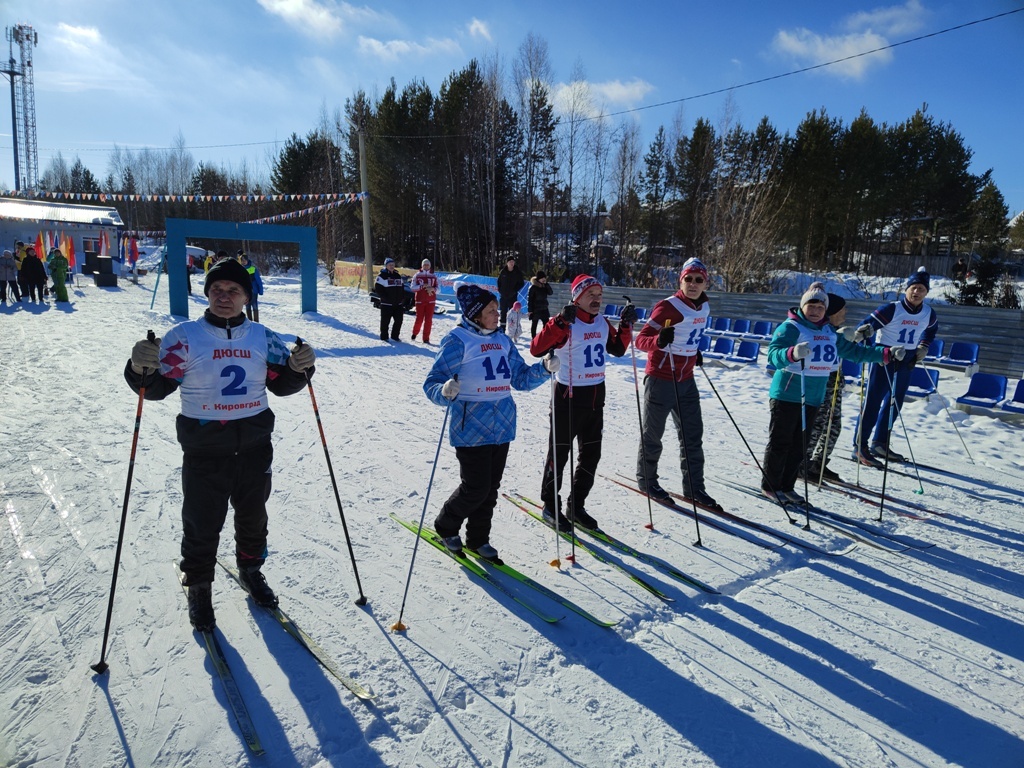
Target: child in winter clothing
[(829, 421), (537, 301), (252, 309), (912, 326), (474, 373), (33, 274), (424, 287), (580, 337), (59, 272), (671, 337), (804, 349), (514, 322), (9, 277)]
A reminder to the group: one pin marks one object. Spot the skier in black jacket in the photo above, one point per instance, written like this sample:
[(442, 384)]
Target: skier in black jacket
[(510, 282), (391, 298), (224, 365), (537, 301)]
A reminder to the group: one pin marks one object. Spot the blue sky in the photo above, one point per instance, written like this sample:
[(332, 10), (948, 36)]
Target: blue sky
[(248, 73)]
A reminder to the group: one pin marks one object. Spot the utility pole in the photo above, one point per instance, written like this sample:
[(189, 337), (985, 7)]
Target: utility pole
[(364, 189), (23, 106)]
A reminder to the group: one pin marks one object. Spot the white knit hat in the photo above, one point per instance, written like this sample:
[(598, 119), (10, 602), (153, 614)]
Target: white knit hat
[(815, 292)]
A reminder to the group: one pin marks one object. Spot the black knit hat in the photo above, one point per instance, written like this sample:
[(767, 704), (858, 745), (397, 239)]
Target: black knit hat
[(473, 299), (835, 303), (228, 269)]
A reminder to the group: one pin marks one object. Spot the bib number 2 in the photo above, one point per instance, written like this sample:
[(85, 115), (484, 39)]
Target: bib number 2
[(236, 385)]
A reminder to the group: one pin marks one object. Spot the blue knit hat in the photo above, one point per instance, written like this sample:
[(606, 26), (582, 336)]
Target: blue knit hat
[(920, 277), (473, 299)]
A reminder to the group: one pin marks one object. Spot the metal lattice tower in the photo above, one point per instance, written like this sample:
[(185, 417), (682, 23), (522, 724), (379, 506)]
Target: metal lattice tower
[(23, 106)]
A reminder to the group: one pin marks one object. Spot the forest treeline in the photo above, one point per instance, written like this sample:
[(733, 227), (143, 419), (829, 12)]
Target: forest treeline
[(496, 163)]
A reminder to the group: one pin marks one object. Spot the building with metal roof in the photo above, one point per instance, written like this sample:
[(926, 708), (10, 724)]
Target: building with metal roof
[(25, 219)]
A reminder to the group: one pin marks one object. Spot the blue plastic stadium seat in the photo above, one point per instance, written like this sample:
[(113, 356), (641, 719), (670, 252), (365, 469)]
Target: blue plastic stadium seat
[(1016, 403), (704, 344), (738, 328), (762, 329), (923, 382), (963, 353), (746, 352), (934, 351), (986, 390), (719, 326), (723, 348)]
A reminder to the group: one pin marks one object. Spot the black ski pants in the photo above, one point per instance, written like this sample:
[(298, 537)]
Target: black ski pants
[(579, 418), (210, 483), (480, 471), (538, 317), (785, 450), (391, 316), (15, 293)]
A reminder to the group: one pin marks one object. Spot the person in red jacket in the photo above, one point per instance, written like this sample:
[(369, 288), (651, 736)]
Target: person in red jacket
[(581, 337), (424, 286), (670, 338)]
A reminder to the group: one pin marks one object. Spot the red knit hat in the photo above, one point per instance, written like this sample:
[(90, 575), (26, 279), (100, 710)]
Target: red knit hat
[(581, 284)]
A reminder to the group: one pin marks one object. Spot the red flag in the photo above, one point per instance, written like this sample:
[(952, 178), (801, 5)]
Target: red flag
[(39, 247), (133, 251), (71, 252)]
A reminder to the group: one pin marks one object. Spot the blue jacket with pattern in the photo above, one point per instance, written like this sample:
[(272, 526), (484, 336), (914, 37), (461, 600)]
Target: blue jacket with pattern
[(491, 422)]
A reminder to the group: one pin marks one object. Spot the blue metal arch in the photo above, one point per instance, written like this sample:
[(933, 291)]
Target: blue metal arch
[(180, 229)]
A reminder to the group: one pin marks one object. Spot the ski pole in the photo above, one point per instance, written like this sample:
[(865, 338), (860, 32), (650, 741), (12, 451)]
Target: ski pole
[(398, 626), (860, 418), (686, 453), (803, 445), (101, 666), (764, 476), (888, 437), (946, 406), (557, 562), (640, 419), (828, 428), (334, 483), (913, 461), (572, 464)]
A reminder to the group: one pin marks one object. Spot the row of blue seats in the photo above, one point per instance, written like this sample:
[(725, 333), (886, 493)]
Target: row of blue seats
[(988, 390), (963, 354), (724, 326), (734, 350), (612, 311)]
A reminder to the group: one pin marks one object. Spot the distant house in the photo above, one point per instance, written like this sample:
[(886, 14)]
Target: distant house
[(25, 219)]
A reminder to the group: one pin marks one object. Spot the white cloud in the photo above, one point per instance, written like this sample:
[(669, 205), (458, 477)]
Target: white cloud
[(393, 50), (808, 48), (895, 20), (308, 16), (80, 59), (479, 28), (619, 94)]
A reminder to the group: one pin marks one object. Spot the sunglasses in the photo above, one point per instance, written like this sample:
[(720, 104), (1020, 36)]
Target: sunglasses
[(697, 280)]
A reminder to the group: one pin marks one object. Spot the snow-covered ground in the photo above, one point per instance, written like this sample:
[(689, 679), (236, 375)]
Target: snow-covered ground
[(868, 659)]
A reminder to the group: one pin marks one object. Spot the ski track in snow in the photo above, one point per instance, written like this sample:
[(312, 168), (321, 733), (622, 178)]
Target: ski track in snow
[(865, 660)]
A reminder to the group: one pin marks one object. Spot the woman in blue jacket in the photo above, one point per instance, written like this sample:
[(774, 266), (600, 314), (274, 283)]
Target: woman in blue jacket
[(804, 349), (475, 371)]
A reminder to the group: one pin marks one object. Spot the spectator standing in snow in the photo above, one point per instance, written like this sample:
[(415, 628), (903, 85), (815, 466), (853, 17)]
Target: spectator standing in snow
[(475, 371), (829, 421), (514, 322), (537, 301), (424, 287), (9, 277), (59, 272), (33, 274), (389, 290), (906, 323), (670, 338), (252, 308), (20, 251), (224, 365), (510, 282), (804, 350), (581, 339)]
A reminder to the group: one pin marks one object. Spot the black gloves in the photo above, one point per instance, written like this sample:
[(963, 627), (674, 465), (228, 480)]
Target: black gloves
[(700, 360), (568, 314), (628, 315), (666, 336)]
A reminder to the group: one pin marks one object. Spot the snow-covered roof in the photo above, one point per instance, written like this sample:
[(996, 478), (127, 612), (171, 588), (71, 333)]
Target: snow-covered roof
[(70, 213)]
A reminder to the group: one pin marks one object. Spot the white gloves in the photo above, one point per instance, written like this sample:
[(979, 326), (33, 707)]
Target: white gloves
[(857, 335), (897, 353), (552, 364), (450, 389), (146, 354), (921, 353), (302, 357), (801, 350)]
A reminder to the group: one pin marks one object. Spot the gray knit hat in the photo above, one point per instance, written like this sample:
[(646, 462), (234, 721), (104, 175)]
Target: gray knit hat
[(815, 292)]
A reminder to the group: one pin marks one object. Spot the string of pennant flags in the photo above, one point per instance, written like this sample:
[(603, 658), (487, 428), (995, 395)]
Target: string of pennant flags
[(104, 197)]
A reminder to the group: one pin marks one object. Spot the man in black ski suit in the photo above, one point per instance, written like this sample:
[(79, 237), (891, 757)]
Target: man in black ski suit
[(224, 365), (510, 282), (389, 290)]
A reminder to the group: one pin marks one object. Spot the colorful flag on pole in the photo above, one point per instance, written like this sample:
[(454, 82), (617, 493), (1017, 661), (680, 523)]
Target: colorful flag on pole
[(133, 251), (71, 253), (40, 252)]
